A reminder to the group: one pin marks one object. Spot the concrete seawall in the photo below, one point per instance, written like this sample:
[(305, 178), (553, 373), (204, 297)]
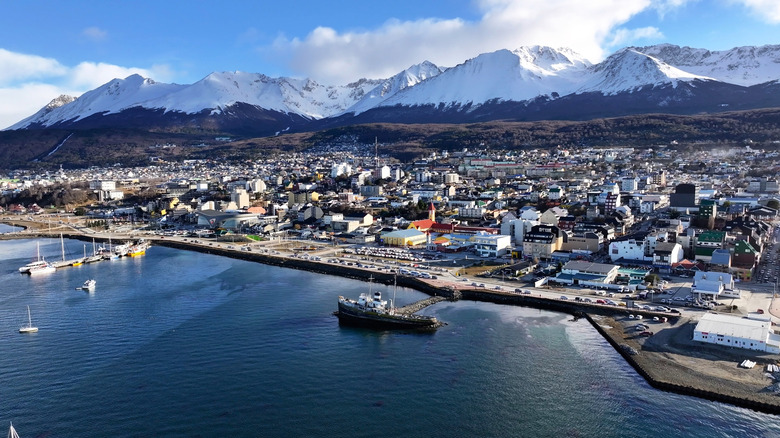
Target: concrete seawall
[(656, 380)]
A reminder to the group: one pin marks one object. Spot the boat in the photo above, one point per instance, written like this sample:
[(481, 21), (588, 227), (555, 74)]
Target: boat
[(89, 285), (137, 249), (41, 268), (29, 327), (38, 263), (12, 432), (370, 310)]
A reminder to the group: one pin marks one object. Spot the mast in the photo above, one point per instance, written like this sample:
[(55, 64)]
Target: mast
[(395, 286), (29, 317), (62, 244)]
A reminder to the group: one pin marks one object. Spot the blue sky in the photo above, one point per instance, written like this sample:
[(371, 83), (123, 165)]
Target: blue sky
[(53, 47)]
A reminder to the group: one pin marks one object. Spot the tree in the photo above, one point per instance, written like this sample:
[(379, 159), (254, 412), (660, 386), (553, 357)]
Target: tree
[(773, 203)]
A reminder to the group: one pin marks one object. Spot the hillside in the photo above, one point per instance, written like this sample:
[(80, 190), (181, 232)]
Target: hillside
[(22, 149)]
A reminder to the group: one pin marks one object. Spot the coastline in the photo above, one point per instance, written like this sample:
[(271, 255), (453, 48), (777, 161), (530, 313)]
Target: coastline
[(667, 361)]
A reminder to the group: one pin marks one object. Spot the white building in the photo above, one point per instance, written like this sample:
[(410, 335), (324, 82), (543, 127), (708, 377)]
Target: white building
[(102, 185), (475, 212), (451, 178), (629, 184), (733, 331), (255, 186), (491, 245), (340, 169), (240, 197), (712, 285)]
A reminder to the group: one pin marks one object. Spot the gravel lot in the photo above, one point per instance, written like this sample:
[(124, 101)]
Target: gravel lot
[(671, 356)]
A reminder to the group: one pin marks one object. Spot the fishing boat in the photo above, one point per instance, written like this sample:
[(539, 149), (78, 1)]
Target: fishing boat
[(12, 432), (29, 327), (137, 249), (89, 285), (370, 310)]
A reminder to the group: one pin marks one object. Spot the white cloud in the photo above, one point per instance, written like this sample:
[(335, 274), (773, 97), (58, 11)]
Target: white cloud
[(22, 101), (766, 10), (17, 66), (624, 37), (89, 75), (94, 33), (22, 92), (585, 26)]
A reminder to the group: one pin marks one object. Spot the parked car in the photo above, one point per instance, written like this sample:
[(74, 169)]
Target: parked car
[(564, 297)]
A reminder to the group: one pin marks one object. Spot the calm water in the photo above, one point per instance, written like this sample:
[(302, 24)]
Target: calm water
[(182, 344)]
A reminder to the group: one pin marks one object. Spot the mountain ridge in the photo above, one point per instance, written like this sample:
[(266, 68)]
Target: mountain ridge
[(529, 83)]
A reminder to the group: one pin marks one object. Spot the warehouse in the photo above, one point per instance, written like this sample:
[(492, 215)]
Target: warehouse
[(733, 331)]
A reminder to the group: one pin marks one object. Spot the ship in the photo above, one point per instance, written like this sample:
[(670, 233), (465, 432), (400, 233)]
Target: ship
[(370, 310), (137, 249)]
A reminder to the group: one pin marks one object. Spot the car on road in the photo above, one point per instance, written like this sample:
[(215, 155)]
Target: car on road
[(564, 297)]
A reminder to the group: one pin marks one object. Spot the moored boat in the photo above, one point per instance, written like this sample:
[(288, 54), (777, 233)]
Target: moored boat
[(137, 249), (41, 268), (370, 310)]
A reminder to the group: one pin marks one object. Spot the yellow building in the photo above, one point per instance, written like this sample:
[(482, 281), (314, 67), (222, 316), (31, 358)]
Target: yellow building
[(409, 237)]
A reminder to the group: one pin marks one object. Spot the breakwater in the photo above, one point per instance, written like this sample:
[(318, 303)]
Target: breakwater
[(653, 375)]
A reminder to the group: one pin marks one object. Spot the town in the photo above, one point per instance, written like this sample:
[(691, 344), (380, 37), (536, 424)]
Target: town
[(608, 226)]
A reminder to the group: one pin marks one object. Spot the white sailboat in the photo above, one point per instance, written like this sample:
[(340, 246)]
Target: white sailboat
[(37, 263), (12, 432), (28, 328)]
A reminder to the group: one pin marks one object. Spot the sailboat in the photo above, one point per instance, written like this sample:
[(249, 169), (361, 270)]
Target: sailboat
[(12, 432), (39, 265), (29, 327), (79, 262)]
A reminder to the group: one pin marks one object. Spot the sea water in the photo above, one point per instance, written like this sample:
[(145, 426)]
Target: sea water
[(183, 344)]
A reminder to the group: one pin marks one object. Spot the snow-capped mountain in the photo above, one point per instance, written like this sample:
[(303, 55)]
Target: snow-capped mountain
[(388, 88), (628, 70), (744, 66), (504, 75), (530, 83)]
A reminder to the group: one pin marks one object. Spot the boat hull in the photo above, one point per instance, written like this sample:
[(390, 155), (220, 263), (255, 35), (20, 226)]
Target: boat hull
[(382, 320)]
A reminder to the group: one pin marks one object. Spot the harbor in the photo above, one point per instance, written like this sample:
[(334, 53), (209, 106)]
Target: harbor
[(650, 363), (237, 340)]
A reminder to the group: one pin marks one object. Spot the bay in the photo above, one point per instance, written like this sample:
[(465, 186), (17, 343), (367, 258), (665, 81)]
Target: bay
[(183, 344)]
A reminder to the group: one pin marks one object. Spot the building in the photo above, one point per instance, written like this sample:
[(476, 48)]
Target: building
[(408, 237), (582, 273), (542, 241), (240, 197), (666, 254), (733, 331), (102, 185), (714, 285), (491, 245), (685, 197)]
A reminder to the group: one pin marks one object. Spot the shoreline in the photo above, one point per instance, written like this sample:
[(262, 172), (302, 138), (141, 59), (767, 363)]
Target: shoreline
[(653, 359)]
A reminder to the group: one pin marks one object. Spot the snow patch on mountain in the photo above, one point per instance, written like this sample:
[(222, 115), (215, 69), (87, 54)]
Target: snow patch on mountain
[(503, 75), (744, 66), (387, 88), (629, 70)]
